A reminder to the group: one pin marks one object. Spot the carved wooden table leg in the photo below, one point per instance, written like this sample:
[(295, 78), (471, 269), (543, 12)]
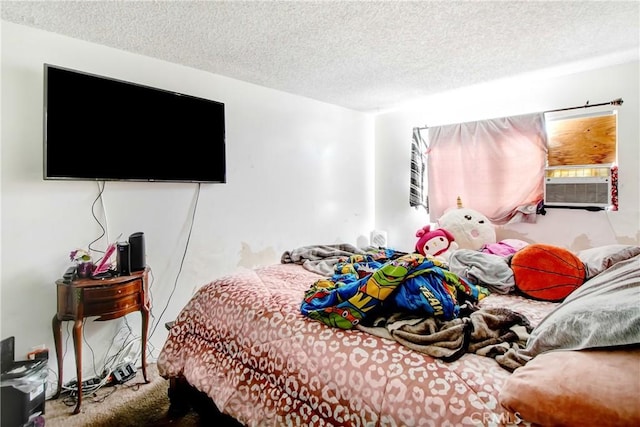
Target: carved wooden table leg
[(77, 344), (144, 311), (57, 339)]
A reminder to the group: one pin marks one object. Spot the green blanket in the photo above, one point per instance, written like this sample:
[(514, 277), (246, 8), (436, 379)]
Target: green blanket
[(381, 281)]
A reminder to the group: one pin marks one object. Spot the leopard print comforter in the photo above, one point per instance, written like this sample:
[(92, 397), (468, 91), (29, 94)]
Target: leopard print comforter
[(242, 340)]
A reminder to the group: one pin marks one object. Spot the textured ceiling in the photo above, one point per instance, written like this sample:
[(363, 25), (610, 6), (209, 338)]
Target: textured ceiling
[(363, 55)]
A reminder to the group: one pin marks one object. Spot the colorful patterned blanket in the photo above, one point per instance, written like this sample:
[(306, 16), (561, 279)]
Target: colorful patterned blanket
[(385, 281)]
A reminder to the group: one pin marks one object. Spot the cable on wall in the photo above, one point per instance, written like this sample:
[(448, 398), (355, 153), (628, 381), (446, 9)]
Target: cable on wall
[(93, 213), (184, 254)]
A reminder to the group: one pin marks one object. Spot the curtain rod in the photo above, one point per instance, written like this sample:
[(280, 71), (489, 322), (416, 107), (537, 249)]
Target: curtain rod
[(617, 101), (587, 105)]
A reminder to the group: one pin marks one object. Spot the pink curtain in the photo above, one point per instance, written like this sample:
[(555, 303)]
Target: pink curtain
[(496, 166)]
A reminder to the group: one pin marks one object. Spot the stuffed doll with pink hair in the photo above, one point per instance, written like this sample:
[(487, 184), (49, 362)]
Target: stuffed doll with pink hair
[(438, 243)]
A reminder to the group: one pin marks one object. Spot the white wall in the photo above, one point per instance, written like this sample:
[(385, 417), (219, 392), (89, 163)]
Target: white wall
[(299, 172), (572, 229)]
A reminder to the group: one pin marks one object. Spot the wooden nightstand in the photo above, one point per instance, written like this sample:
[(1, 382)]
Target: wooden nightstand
[(106, 298)]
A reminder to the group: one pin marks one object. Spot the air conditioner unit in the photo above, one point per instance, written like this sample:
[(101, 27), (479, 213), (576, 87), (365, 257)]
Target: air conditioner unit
[(592, 191)]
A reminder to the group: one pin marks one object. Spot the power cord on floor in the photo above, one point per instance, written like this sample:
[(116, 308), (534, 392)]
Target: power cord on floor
[(118, 369)]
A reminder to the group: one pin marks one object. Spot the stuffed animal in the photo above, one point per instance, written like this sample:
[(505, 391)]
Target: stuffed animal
[(438, 243), (504, 248), (469, 228)]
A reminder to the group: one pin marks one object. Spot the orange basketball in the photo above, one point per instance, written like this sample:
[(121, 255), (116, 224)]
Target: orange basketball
[(546, 272)]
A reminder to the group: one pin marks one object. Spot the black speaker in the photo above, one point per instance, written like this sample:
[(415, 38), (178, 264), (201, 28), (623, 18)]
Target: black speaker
[(136, 252), (123, 258)]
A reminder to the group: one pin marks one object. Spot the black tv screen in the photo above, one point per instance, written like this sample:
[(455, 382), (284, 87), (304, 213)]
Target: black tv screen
[(99, 128)]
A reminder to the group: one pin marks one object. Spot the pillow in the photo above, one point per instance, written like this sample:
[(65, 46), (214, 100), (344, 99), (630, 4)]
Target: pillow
[(547, 272), (576, 388), (598, 259), (603, 312)]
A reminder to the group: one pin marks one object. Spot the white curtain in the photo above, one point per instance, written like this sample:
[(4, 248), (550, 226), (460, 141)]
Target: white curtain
[(496, 166)]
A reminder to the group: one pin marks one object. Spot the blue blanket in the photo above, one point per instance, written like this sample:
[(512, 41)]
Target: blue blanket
[(383, 281)]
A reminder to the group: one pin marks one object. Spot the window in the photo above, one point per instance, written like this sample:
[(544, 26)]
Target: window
[(581, 167), (495, 166), (507, 168)]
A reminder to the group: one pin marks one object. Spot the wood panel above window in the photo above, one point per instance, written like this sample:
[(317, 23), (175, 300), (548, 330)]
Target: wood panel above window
[(583, 140)]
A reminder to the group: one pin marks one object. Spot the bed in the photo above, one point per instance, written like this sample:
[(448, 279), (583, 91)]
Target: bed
[(246, 345)]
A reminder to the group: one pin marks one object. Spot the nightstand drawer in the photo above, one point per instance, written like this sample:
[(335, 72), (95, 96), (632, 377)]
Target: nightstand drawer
[(110, 292), (108, 307)]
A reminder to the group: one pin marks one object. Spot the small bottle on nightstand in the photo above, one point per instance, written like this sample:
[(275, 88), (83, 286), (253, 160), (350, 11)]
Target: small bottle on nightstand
[(123, 259)]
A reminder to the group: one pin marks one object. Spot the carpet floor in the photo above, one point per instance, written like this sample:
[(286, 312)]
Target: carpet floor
[(133, 403)]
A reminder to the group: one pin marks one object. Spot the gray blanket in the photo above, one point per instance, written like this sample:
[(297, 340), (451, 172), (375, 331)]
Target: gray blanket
[(603, 312), (486, 331), (320, 259), (488, 270)]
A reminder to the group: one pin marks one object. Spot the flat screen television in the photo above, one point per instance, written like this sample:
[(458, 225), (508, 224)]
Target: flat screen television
[(104, 129)]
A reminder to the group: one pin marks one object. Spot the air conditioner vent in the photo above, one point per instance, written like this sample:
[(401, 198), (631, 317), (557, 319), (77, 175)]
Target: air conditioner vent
[(580, 192)]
